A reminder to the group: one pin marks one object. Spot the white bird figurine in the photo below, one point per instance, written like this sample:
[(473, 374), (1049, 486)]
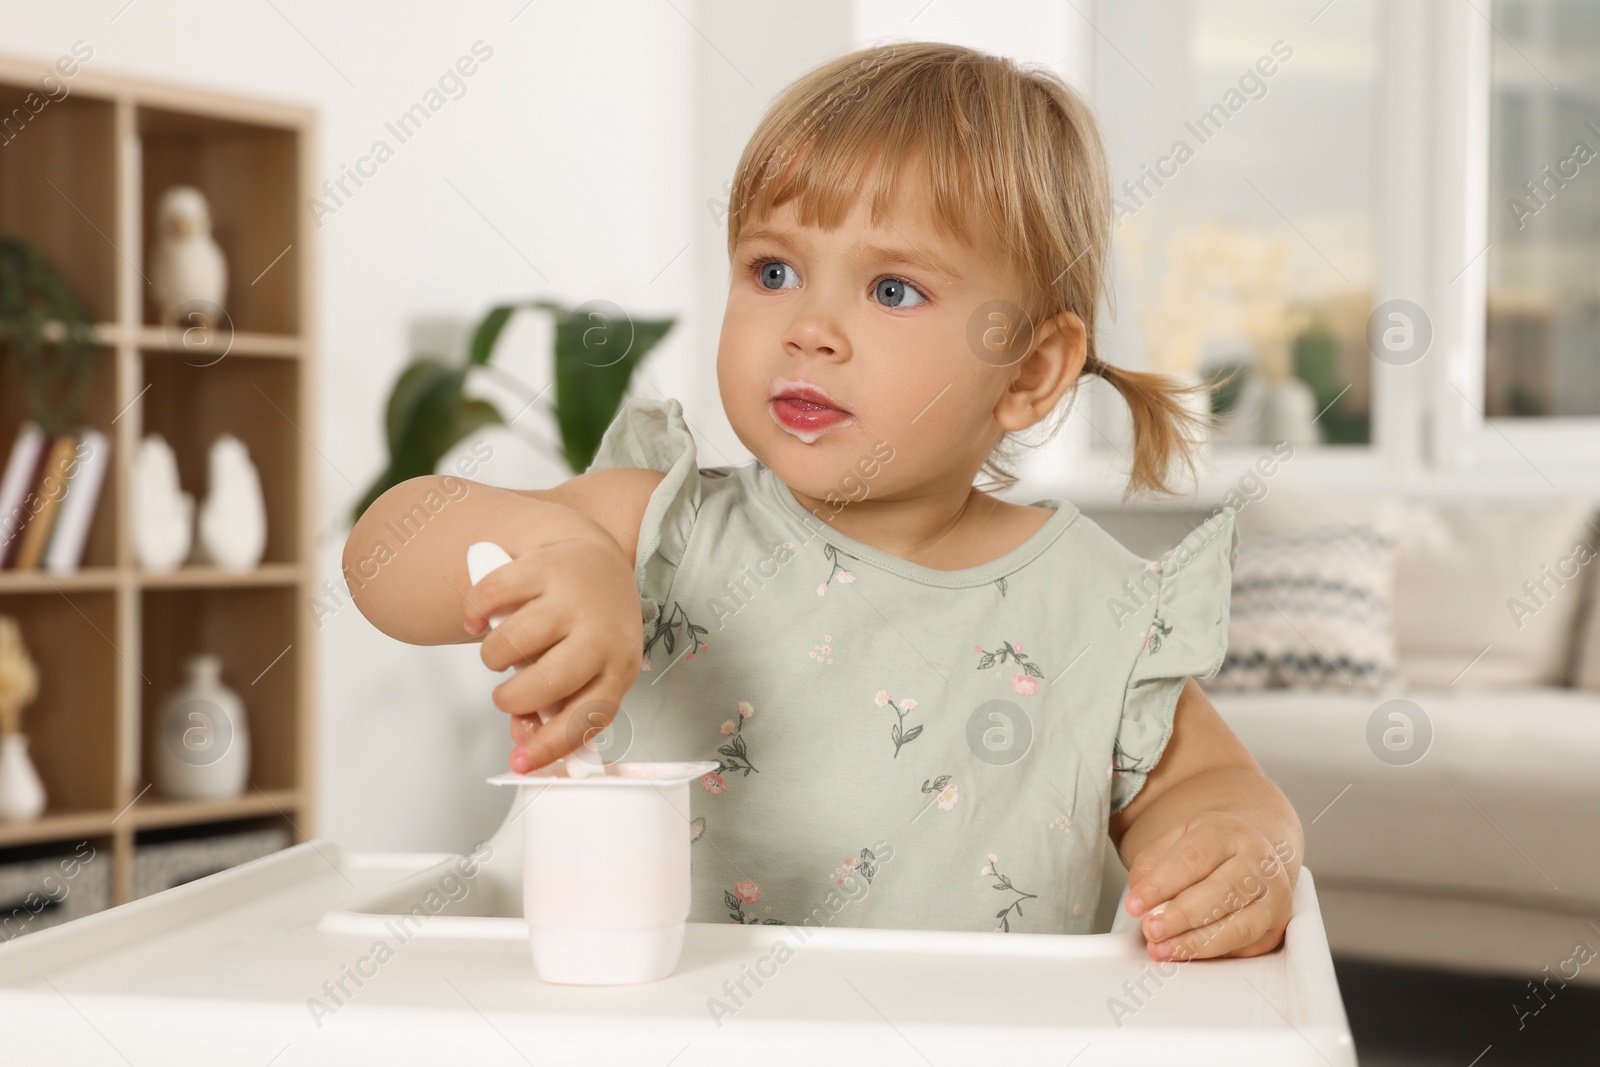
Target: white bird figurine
[(163, 515), (233, 519), (189, 265)]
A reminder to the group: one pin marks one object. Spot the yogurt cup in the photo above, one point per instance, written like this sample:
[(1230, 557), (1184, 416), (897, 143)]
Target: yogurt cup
[(605, 869)]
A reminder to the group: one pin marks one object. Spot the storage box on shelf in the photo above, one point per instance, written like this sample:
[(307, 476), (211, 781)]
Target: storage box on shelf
[(82, 180), (167, 858), (45, 885)]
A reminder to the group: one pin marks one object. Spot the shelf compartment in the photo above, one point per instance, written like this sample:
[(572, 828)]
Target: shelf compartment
[(258, 401), (253, 631), (99, 408), (58, 188), (248, 174), (73, 639)]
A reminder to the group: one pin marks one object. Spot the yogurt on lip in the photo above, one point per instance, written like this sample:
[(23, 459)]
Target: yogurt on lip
[(806, 421)]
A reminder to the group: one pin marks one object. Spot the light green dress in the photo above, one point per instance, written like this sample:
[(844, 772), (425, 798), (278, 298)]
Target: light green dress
[(899, 746)]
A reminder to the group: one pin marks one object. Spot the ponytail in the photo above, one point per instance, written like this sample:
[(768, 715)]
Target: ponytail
[(1165, 427)]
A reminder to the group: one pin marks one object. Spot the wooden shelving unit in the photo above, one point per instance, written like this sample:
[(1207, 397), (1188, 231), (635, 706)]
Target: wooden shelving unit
[(82, 179)]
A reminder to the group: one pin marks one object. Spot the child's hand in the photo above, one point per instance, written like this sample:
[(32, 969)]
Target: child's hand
[(1213, 886), (573, 625)]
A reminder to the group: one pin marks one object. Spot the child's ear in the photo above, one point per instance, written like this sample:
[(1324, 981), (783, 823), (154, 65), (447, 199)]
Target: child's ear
[(1041, 377)]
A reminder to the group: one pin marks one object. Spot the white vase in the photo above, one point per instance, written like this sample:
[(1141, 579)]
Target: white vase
[(1288, 409), (203, 740), (163, 514), (233, 519), (21, 791)]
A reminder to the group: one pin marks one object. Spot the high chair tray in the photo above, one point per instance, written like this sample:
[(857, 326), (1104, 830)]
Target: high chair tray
[(238, 968)]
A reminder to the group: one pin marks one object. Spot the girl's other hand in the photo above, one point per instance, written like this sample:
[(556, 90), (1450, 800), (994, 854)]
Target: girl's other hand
[(1211, 886)]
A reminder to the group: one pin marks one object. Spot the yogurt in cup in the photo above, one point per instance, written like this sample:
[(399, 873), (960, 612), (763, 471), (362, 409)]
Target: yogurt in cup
[(605, 869)]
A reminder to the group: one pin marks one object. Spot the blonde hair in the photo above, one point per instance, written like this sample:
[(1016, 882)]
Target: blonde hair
[(1011, 152)]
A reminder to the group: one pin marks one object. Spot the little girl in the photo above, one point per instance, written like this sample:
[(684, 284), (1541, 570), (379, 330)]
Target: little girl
[(930, 708)]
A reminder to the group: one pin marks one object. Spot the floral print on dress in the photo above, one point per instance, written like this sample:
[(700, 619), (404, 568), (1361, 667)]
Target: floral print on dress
[(1002, 883), (838, 570), (822, 653), (1023, 683), (948, 794), (667, 634), (735, 756), (1122, 763), (898, 733), (866, 866), (1001, 582), (1152, 639), (746, 892)]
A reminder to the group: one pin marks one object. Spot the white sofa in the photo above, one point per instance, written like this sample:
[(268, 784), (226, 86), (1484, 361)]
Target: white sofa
[(1484, 854)]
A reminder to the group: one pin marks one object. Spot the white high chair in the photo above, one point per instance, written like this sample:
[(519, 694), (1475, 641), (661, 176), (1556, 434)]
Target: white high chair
[(281, 957)]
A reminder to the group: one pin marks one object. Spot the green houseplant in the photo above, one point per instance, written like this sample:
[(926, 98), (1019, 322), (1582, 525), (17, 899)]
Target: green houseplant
[(597, 349), (47, 335)]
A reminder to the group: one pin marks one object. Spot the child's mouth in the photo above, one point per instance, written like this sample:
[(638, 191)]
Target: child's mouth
[(804, 419)]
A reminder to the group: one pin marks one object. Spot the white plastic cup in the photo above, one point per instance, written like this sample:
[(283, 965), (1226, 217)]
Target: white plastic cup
[(605, 870)]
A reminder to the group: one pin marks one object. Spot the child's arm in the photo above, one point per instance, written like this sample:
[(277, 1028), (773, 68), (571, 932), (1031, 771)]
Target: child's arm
[(1213, 848), (569, 590)]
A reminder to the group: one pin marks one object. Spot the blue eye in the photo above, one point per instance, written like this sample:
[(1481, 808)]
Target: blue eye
[(771, 271), (895, 293)]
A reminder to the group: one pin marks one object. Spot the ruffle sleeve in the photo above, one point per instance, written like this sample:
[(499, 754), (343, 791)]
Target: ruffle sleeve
[(652, 434), (1187, 637)]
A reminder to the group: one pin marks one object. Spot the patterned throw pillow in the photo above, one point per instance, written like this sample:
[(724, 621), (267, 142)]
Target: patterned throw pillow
[(1313, 609)]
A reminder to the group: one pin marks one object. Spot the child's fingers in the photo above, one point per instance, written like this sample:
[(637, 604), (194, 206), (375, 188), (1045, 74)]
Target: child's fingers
[(523, 726), (1236, 930), (582, 715), (520, 639), (560, 671), (1143, 892), (501, 590), (1173, 863), (1230, 887), (1267, 941)]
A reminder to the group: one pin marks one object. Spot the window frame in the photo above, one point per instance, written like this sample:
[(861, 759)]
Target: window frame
[(1464, 439)]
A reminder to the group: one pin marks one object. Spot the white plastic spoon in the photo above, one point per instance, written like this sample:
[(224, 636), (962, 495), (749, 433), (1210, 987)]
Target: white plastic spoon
[(483, 557)]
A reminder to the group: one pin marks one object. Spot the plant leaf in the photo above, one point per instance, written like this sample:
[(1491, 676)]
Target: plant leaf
[(414, 386), (595, 358), (911, 734), (488, 332), (425, 417)]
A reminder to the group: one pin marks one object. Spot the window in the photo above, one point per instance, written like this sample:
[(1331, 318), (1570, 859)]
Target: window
[(1241, 137), (1442, 159), (1542, 314)]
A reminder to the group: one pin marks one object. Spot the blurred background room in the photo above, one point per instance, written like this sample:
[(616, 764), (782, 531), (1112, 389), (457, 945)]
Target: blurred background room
[(259, 261)]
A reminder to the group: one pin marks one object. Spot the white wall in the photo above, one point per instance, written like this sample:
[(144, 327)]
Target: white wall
[(579, 164)]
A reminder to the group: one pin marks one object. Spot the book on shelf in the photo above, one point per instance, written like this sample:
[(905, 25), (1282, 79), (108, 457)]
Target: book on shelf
[(77, 509), (15, 485), (48, 497)]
